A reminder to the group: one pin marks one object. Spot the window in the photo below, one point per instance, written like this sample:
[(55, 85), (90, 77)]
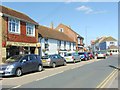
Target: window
[(30, 29), (111, 42), (61, 30), (73, 45), (46, 44), (59, 44), (70, 45), (14, 25), (64, 44)]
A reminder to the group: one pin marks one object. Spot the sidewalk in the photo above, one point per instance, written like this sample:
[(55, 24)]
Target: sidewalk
[(115, 82)]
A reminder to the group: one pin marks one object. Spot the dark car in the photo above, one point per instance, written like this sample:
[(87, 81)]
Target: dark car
[(53, 60), (19, 64), (84, 56), (91, 56)]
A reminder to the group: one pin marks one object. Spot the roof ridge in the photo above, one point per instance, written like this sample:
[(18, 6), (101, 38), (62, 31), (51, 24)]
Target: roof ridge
[(54, 30), (70, 29), (13, 10)]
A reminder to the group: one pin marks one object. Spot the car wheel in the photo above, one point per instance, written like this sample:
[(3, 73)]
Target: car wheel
[(104, 57), (18, 72), (65, 63), (80, 60), (85, 59), (74, 61), (40, 68), (53, 65)]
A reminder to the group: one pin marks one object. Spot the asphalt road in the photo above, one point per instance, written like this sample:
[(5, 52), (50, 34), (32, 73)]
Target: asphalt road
[(87, 76), (15, 82)]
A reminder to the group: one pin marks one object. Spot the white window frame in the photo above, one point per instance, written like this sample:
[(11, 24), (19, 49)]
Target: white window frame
[(61, 30), (31, 27), (12, 21)]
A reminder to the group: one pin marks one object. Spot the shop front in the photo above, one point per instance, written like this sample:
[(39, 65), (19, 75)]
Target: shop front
[(16, 48)]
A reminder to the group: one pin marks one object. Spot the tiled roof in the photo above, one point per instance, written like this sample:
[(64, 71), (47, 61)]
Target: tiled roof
[(113, 47), (11, 12), (53, 34), (108, 39)]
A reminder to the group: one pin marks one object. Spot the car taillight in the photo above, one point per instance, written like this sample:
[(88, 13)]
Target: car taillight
[(96, 54), (48, 60), (72, 57)]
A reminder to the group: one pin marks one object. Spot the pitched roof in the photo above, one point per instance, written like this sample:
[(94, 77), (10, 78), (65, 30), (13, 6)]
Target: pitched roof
[(53, 34), (11, 12), (113, 47), (71, 30), (108, 39)]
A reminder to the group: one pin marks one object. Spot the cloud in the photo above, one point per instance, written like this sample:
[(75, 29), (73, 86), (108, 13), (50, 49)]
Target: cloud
[(69, 1), (89, 10)]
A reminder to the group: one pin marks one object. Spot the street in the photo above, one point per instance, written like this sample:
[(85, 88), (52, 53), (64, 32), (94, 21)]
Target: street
[(85, 74)]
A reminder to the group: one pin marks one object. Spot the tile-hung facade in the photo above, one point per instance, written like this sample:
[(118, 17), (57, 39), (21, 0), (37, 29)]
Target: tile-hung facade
[(19, 33), (54, 42), (73, 35)]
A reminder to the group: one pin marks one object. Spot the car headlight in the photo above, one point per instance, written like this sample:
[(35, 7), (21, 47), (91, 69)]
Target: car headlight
[(9, 68)]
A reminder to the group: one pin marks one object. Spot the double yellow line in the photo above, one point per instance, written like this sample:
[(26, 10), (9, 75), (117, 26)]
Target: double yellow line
[(105, 82)]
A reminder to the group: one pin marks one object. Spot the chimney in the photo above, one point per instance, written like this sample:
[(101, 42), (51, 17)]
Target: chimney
[(51, 25), (69, 26)]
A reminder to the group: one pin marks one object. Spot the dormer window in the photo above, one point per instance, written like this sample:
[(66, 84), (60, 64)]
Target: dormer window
[(61, 30)]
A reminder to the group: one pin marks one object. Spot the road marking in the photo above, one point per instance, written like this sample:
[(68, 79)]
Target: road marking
[(103, 83), (50, 75), (14, 87), (83, 63)]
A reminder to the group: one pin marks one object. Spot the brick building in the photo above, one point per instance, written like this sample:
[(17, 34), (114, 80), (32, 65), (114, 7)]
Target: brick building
[(73, 35), (19, 33)]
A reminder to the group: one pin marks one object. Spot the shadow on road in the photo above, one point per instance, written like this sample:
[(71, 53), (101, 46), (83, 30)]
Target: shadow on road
[(114, 67)]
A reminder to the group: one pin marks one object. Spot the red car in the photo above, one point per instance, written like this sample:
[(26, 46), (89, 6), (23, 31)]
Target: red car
[(91, 56)]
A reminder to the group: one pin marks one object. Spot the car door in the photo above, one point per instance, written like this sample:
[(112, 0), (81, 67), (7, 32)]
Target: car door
[(56, 59), (33, 62), (25, 64), (61, 60)]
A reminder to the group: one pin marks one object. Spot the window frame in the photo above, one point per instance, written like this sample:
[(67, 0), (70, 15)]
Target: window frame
[(29, 25), (12, 21)]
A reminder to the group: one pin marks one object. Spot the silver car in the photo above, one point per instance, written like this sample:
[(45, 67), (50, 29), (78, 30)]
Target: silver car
[(72, 57), (53, 60)]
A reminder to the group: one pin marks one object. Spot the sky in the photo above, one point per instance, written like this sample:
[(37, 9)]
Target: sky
[(89, 19)]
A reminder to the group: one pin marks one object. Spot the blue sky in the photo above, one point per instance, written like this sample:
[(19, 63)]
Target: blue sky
[(89, 19)]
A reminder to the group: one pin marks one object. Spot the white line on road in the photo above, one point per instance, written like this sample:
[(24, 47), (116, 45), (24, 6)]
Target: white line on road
[(50, 75)]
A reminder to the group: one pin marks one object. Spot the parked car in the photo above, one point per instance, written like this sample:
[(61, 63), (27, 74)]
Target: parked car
[(101, 54), (72, 57), (53, 60), (19, 64), (91, 56), (84, 56)]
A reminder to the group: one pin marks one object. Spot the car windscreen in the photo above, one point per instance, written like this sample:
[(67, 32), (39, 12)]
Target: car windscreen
[(80, 53), (14, 58), (45, 57), (101, 52), (68, 54)]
